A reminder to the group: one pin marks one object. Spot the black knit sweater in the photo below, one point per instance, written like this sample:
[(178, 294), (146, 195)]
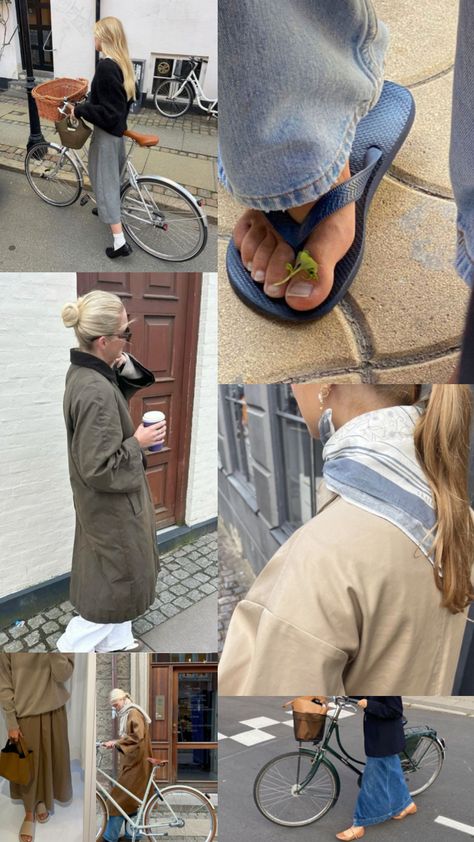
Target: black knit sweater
[(107, 105)]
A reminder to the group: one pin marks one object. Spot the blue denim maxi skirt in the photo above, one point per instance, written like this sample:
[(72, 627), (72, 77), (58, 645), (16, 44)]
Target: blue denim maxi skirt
[(383, 793)]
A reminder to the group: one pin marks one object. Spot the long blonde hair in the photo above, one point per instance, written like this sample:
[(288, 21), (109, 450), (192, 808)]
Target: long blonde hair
[(442, 442), (112, 37), (97, 313)]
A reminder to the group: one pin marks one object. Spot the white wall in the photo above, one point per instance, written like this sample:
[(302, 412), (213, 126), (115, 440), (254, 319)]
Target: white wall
[(10, 56), (36, 511), (201, 499), (169, 27)]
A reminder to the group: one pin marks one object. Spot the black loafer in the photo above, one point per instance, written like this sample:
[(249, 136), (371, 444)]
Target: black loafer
[(123, 251)]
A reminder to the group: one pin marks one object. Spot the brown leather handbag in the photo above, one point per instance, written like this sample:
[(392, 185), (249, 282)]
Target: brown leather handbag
[(16, 762), (73, 133), (309, 718)]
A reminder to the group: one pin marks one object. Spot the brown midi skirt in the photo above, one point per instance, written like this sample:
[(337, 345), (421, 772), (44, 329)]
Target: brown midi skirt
[(46, 735)]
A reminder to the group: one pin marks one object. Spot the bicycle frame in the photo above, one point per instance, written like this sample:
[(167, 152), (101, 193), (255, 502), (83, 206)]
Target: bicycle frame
[(321, 751), (199, 93), (137, 825)]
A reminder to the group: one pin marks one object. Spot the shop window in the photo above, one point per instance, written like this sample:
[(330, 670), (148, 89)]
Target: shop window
[(238, 423)]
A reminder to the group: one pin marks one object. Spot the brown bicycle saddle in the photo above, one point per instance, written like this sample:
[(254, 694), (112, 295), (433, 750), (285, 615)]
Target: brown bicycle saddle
[(142, 139)]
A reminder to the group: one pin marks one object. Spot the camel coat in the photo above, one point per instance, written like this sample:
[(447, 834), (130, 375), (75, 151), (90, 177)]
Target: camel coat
[(347, 606), (135, 748), (115, 558)]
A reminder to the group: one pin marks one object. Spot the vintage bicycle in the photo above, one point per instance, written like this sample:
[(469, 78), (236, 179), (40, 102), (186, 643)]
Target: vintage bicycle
[(300, 787), (175, 96), (175, 812), (159, 215)]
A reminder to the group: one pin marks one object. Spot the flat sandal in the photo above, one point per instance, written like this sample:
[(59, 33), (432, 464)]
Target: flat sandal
[(27, 829), (41, 809)]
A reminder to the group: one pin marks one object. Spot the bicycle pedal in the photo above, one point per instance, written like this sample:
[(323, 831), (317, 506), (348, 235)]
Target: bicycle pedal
[(83, 201)]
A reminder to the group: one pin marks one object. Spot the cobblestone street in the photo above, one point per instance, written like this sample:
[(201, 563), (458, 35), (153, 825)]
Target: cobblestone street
[(188, 576)]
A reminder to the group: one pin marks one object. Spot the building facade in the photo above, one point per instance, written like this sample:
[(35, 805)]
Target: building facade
[(158, 34)]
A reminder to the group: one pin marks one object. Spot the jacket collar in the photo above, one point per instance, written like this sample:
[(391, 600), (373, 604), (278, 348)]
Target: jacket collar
[(85, 360)]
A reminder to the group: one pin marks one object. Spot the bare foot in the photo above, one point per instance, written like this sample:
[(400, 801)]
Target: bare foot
[(265, 254)]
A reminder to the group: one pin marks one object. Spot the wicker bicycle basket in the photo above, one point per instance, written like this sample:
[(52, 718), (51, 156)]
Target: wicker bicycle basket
[(50, 95), (309, 718)]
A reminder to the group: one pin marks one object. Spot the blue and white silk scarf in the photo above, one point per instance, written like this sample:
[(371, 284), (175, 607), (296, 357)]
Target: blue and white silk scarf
[(371, 461)]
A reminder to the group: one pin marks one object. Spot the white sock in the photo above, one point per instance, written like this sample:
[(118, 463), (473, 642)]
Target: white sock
[(119, 241)]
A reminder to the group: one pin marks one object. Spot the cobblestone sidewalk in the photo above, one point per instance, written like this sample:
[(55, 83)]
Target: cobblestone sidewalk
[(188, 575), (235, 579)]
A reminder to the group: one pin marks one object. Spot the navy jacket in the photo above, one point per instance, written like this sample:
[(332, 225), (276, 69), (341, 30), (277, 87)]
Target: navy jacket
[(383, 726)]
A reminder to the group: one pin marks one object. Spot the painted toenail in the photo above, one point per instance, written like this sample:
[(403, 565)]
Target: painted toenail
[(259, 276), (301, 289), (273, 289), (249, 266)]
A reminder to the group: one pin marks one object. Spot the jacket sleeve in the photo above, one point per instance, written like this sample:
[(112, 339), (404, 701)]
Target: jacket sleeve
[(391, 708), (62, 667), (110, 93), (7, 695), (133, 376), (298, 628), (105, 460), (135, 734)]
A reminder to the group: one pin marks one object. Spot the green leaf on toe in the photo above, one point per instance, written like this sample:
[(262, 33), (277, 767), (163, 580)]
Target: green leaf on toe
[(304, 263)]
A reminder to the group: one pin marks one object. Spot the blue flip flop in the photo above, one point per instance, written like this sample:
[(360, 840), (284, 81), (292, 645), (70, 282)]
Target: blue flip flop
[(379, 136)]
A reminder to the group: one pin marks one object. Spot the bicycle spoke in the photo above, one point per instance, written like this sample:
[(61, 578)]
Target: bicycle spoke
[(284, 800)]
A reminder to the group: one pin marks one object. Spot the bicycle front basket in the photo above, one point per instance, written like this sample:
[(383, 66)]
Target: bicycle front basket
[(309, 726)]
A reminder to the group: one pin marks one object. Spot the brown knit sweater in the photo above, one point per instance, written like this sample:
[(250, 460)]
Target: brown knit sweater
[(31, 684)]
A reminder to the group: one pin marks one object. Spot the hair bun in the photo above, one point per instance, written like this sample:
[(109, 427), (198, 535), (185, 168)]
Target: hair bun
[(70, 315)]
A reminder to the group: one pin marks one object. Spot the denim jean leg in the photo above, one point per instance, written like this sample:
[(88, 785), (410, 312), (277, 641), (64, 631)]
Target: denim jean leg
[(295, 78), (113, 829), (383, 792), (462, 142)]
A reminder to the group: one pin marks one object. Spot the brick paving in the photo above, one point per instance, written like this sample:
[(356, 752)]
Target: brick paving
[(188, 574)]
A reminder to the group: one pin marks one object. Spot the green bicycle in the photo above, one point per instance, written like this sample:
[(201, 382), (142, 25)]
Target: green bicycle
[(299, 787)]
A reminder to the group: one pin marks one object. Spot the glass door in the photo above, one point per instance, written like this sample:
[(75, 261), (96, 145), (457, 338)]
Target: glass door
[(39, 22), (194, 728)]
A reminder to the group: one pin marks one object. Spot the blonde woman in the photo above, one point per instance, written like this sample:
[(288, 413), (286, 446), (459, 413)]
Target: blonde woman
[(371, 594), (112, 92), (33, 698), (134, 746), (115, 559)]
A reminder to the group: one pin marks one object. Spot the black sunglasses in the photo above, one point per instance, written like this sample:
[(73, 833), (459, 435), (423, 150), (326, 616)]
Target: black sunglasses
[(126, 335)]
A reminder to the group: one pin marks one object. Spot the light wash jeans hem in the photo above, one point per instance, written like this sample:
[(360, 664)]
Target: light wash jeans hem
[(296, 196), (380, 819), (463, 264)]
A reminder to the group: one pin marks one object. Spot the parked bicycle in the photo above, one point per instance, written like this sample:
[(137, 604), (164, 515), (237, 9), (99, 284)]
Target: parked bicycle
[(299, 787), (175, 811), (174, 97), (159, 215)]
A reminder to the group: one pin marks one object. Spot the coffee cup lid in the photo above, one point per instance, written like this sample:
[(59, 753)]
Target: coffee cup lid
[(153, 416)]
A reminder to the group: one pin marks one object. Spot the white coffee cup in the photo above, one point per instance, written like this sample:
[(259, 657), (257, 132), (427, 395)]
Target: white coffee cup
[(153, 417)]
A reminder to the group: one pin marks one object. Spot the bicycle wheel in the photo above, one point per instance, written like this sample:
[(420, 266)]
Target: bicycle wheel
[(276, 792), (102, 815), (423, 765), (182, 813), (163, 218), (53, 174), (166, 101)]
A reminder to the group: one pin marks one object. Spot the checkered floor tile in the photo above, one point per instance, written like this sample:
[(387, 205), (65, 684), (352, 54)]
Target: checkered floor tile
[(254, 732)]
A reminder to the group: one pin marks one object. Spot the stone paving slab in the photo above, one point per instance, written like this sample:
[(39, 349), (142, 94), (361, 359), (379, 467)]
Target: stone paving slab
[(410, 296), (422, 37), (438, 370), (188, 576), (254, 349), (424, 159)]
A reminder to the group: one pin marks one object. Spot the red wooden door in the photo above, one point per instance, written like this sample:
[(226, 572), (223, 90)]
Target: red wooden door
[(165, 308)]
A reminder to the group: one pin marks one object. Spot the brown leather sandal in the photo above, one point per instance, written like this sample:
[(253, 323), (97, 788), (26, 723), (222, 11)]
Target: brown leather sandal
[(351, 833), (408, 811)]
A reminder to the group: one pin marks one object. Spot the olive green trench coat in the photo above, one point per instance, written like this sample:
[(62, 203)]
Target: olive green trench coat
[(115, 558)]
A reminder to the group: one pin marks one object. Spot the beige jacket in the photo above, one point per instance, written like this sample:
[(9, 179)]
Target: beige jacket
[(347, 606)]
